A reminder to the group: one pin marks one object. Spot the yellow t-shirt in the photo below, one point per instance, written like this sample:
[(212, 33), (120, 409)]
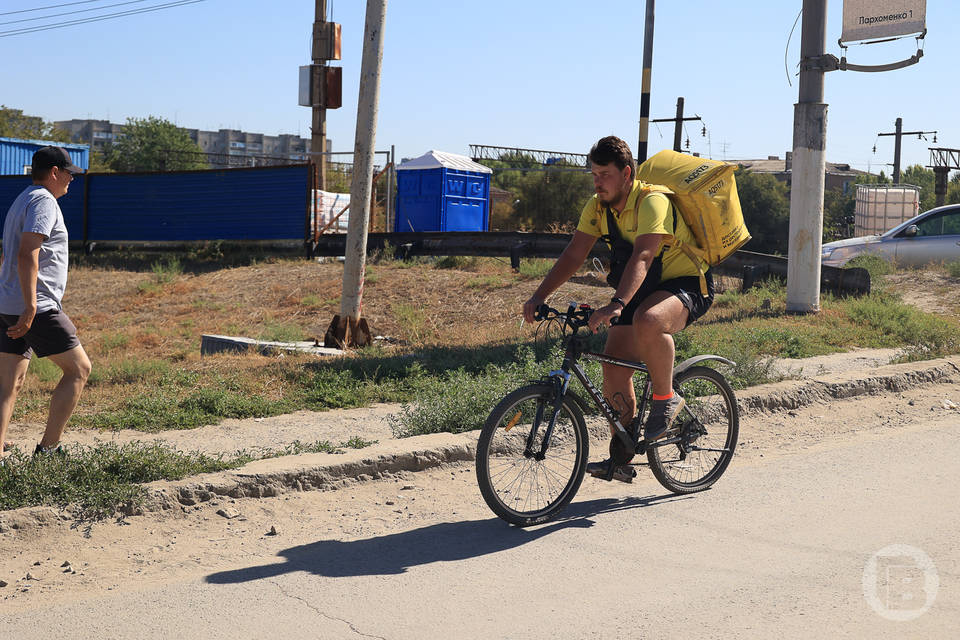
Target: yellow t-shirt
[(654, 215)]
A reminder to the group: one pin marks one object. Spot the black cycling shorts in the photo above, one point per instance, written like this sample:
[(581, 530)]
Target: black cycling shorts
[(686, 288)]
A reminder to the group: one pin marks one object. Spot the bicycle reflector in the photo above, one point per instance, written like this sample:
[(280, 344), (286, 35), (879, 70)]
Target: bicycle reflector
[(513, 421)]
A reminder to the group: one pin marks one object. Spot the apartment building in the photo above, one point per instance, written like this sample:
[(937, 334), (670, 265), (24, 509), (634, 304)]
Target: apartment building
[(224, 148)]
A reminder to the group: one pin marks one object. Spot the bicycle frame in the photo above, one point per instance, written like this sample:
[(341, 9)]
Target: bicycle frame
[(561, 377), (574, 351)]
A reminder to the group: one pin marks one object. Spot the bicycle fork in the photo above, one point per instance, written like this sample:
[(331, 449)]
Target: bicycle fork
[(560, 381)]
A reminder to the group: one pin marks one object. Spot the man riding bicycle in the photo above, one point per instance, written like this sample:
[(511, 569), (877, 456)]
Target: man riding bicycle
[(657, 290)]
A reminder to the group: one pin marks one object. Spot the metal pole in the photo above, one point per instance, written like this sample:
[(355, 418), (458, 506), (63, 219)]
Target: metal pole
[(940, 184), (388, 215), (809, 163), (645, 83), (679, 126), (318, 130), (896, 150), (362, 184)]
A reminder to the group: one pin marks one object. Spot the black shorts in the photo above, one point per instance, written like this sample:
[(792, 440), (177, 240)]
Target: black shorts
[(686, 288), (51, 333)]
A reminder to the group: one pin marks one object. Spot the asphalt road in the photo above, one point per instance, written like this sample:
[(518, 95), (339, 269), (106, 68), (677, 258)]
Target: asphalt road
[(780, 546)]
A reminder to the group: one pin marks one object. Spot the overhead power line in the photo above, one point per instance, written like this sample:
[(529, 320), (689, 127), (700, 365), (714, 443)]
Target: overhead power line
[(109, 16), (53, 6), (68, 13)]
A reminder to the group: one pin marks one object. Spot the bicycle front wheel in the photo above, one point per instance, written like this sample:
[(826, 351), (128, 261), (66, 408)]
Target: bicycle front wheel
[(700, 444), (519, 481)]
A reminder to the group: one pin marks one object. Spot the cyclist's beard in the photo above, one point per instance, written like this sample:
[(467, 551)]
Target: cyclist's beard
[(610, 198)]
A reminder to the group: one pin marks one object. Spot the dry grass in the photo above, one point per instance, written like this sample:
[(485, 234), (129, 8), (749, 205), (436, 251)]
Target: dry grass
[(140, 329)]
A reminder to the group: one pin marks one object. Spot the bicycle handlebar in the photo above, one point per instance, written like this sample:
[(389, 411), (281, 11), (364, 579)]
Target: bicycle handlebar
[(576, 316)]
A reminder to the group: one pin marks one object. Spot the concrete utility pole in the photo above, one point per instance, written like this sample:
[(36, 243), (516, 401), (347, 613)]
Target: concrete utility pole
[(645, 83), (349, 328), (678, 127), (809, 163), (899, 133), (318, 130)]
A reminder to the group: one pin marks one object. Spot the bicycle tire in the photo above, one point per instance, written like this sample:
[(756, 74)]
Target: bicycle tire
[(692, 461), (515, 485)]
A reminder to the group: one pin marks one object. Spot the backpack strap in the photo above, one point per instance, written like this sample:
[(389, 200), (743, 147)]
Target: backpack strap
[(693, 252)]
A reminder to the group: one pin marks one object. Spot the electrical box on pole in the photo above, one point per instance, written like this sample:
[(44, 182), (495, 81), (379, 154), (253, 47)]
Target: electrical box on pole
[(326, 40), (320, 85)]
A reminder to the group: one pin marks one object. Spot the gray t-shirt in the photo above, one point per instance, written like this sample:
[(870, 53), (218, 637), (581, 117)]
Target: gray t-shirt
[(35, 210)]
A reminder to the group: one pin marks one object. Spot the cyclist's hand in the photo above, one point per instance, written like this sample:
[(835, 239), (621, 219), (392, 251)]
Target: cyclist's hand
[(530, 308), (603, 316)]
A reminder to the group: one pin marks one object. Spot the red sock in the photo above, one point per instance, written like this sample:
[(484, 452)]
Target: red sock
[(667, 397)]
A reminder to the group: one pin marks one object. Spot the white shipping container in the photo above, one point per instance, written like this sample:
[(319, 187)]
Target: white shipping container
[(881, 207)]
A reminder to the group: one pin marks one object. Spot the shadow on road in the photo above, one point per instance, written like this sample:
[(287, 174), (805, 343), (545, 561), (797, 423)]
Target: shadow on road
[(445, 542)]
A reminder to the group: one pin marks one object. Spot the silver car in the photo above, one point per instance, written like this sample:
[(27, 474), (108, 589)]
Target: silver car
[(933, 236)]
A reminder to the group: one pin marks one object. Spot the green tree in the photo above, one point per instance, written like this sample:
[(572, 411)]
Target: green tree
[(766, 211), (925, 179), (154, 144), (551, 199), (953, 189), (14, 124), (545, 198), (98, 162), (838, 208)]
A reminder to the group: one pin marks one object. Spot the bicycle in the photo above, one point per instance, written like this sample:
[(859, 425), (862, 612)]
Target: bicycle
[(533, 448)]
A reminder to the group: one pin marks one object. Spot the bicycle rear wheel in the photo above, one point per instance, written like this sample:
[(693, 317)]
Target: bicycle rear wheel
[(517, 483), (700, 444)]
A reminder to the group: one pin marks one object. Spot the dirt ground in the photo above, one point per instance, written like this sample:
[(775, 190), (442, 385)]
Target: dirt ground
[(930, 291)]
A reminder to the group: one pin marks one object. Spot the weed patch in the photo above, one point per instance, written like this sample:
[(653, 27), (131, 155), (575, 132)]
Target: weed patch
[(97, 482), (129, 371), (924, 336), (953, 268), (44, 369), (460, 400), (535, 267), (274, 331), (874, 264)]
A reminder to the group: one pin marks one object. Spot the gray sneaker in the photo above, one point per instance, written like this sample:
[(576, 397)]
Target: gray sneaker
[(662, 415)]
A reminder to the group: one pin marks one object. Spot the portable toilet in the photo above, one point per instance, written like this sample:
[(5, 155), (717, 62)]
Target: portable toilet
[(16, 155), (442, 191)]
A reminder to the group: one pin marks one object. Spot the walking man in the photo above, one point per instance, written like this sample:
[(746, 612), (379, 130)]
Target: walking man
[(33, 277), (657, 290)]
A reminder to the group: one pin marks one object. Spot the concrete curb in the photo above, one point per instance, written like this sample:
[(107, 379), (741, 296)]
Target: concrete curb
[(315, 471), (794, 394), (325, 472)]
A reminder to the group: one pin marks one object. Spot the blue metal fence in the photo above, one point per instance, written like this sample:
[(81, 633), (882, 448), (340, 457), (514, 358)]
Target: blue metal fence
[(268, 203)]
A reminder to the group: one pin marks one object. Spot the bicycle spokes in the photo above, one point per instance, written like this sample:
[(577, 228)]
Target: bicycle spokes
[(531, 464), (703, 438)]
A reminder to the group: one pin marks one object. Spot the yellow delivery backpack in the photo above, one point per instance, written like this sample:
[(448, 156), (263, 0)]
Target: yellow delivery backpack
[(705, 192)]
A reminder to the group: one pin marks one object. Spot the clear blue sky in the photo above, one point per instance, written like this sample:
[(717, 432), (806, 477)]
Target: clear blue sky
[(545, 74)]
